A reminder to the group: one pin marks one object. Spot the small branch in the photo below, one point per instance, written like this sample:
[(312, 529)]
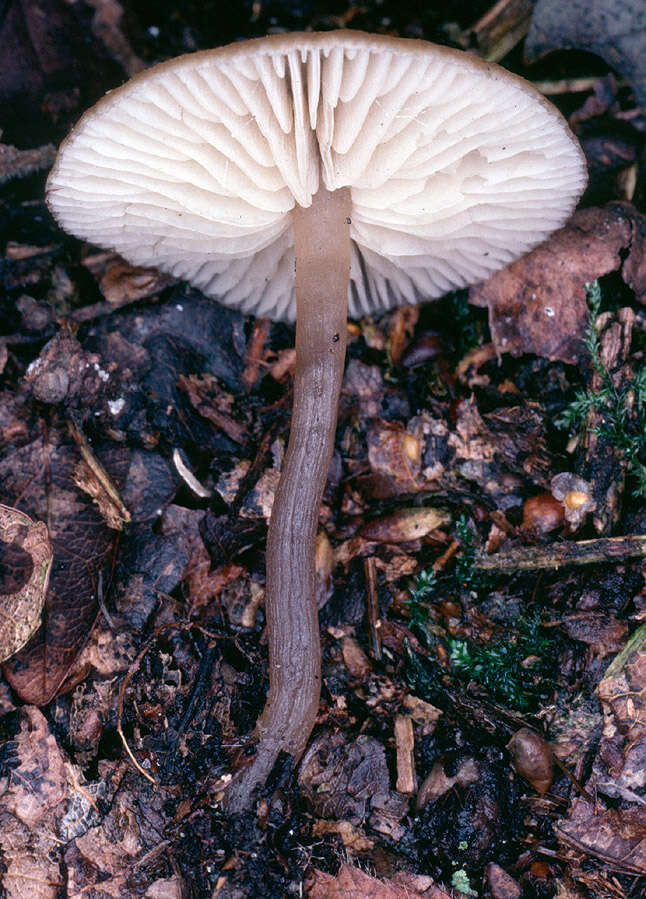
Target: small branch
[(581, 552), (370, 572)]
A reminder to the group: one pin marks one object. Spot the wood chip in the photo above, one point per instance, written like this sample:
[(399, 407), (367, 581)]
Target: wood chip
[(405, 743)]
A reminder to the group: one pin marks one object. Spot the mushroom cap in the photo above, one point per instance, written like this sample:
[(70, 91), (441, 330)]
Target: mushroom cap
[(456, 167)]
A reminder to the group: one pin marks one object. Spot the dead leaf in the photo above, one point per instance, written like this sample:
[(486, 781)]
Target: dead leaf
[(502, 885), (339, 779), (122, 283), (404, 525), (352, 837), (538, 304), (402, 328), (207, 397), (617, 838), (40, 473), (502, 448), (395, 457), (438, 782), (353, 883), (575, 729), (613, 29), (604, 633), (623, 748), (32, 801), (355, 659), (166, 888), (25, 566), (104, 859)]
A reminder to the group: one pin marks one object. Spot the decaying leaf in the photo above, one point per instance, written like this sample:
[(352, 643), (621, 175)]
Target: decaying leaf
[(613, 29), (25, 565), (340, 779), (616, 837), (40, 473), (623, 748), (32, 802), (353, 883), (538, 304), (105, 859), (405, 524)]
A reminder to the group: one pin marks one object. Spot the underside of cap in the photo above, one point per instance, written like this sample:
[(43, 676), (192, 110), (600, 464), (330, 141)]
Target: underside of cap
[(193, 167)]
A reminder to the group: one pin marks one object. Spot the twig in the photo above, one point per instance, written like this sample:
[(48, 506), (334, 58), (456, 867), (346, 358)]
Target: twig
[(99, 472), (370, 573), (254, 357), (581, 552)]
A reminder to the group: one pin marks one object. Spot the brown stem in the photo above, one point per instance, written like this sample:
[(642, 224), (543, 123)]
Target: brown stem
[(322, 247)]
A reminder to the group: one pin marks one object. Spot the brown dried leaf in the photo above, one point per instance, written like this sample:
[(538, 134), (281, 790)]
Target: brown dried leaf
[(622, 691), (395, 458), (32, 801), (339, 779), (40, 474), (38, 785), (613, 29), (103, 859), (604, 633), (355, 659), (502, 885), (201, 583), (25, 566), (166, 888), (538, 304), (402, 328), (353, 883), (616, 837), (352, 837), (438, 782), (404, 525), (575, 729), (499, 450), (123, 283), (207, 397)]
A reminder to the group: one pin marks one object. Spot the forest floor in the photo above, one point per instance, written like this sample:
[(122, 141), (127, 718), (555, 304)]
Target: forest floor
[(483, 532)]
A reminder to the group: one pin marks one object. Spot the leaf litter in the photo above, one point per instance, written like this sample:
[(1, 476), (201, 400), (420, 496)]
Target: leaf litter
[(480, 567)]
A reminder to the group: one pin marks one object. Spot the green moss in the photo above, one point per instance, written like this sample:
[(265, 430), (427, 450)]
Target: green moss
[(620, 409)]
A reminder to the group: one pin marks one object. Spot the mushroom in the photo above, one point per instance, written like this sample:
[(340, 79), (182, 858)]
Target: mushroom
[(288, 174)]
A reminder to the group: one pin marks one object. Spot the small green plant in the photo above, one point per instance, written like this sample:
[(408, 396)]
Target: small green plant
[(465, 572), (502, 666), (620, 409), (420, 590)]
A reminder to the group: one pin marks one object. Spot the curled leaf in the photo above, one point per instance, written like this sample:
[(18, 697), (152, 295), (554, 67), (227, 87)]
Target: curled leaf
[(25, 563)]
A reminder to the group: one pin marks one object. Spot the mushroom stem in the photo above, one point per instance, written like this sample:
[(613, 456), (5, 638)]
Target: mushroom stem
[(322, 250)]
